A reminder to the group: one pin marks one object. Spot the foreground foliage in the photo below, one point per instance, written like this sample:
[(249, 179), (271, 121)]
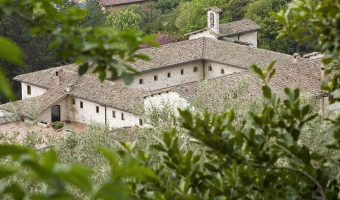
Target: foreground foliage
[(101, 49), (257, 159), (260, 158)]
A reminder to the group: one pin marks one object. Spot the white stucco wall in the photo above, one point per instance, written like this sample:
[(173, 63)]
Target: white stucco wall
[(216, 69), (177, 78), (203, 34), (164, 81), (117, 122), (88, 115), (46, 117), (248, 37), (35, 91)]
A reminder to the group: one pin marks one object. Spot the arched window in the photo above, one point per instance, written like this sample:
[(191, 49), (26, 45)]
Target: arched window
[(212, 20)]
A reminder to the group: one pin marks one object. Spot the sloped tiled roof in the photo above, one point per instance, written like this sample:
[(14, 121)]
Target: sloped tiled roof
[(44, 78), (182, 52), (27, 107), (87, 87), (113, 94), (238, 27), (107, 93), (304, 75), (240, 55), (120, 2), (233, 28), (208, 49), (171, 54)]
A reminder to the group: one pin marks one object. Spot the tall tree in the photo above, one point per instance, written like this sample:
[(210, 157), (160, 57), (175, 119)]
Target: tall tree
[(127, 18), (37, 54), (192, 15), (261, 12), (95, 14), (236, 9)]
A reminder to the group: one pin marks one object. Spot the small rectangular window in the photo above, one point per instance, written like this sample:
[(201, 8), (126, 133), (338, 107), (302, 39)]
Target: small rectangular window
[(81, 105), (169, 74), (140, 122), (73, 101), (141, 81), (222, 71), (114, 114), (182, 71), (155, 78), (123, 116), (97, 109), (28, 89), (195, 69), (210, 68)]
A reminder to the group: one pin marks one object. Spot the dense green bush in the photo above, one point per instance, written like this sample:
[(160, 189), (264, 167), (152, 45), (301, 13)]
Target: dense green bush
[(57, 125)]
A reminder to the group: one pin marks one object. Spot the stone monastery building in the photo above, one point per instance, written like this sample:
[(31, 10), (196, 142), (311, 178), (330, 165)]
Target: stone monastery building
[(218, 55)]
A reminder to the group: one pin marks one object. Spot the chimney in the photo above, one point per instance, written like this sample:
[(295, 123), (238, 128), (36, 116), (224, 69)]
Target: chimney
[(69, 87), (296, 57), (56, 78), (214, 19)]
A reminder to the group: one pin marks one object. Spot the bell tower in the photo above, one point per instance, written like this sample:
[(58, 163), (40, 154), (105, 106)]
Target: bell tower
[(214, 19)]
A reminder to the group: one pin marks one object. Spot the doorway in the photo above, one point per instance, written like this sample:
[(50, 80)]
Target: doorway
[(55, 113)]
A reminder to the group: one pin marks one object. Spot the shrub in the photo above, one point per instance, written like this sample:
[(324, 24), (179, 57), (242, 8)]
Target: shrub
[(57, 125)]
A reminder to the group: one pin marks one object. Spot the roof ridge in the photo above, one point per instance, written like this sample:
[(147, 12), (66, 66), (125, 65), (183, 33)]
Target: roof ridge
[(171, 43), (240, 20)]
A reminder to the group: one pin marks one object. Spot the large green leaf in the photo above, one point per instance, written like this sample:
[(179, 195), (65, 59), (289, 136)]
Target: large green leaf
[(5, 87), (78, 176), (6, 171), (10, 52), (13, 150)]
